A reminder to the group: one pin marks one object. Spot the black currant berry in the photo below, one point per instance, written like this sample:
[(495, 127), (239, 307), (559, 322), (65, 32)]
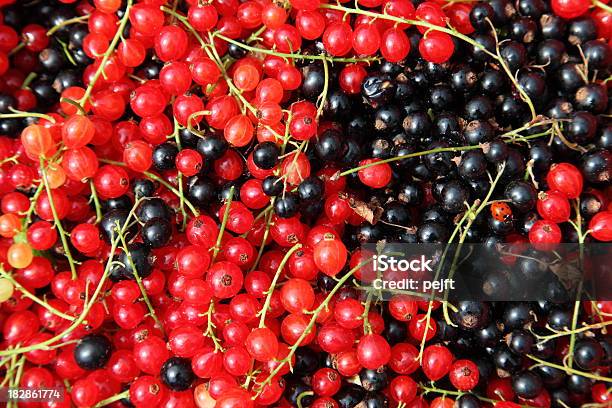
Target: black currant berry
[(92, 352), (177, 374)]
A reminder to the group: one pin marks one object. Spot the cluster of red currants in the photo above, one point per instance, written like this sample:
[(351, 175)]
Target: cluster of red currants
[(185, 186)]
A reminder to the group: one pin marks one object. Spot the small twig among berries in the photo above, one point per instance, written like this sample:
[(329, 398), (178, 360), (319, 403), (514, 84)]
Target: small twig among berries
[(107, 54), (32, 297), (58, 224), (74, 20), (270, 291)]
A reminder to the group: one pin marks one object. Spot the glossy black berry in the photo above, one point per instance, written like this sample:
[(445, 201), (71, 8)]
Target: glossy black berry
[(211, 147), (523, 29), (467, 401), (301, 391), (552, 26), (492, 82), (378, 89), (432, 233), (373, 380), (387, 118), (521, 341), (598, 54), (272, 186), (286, 206), (596, 166), (236, 51), (592, 98), (201, 191), (134, 261), (514, 54), (349, 396), (581, 30), (506, 360), (156, 232), (588, 354), (329, 145), (527, 384), (410, 193), (522, 195), (313, 81), (471, 315), (153, 208), (311, 189), (177, 374), (516, 315), (478, 108), (164, 156), (550, 54), (143, 188), (482, 16), (265, 155), (92, 352)]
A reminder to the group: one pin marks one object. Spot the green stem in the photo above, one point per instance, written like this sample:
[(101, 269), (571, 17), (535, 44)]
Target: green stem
[(143, 291), (543, 339), (26, 82), (114, 398), (602, 6), (20, 114), (33, 200), (179, 180), (226, 214), (302, 396), (323, 97), (17, 48), (367, 327), (210, 327), (58, 223), (576, 312), (73, 20), (17, 379), (43, 345), (107, 54), (160, 180), (510, 75), (26, 293), (569, 370), (279, 270), (420, 23), (308, 329), (294, 56), (269, 215), (470, 220), (408, 156), (96, 201), (75, 104), (458, 394)]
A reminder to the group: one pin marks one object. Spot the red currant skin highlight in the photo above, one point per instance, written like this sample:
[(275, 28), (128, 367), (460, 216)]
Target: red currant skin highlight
[(437, 360), (330, 256), (464, 375), (373, 351), (436, 47), (375, 175), (570, 9), (338, 38), (262, 344), (566, 178), (601, 226)]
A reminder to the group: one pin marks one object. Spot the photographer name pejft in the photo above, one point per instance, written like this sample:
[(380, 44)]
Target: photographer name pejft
[(421, 265)]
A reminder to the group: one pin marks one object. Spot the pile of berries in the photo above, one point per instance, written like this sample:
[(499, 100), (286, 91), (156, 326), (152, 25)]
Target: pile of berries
[(187, 189)]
